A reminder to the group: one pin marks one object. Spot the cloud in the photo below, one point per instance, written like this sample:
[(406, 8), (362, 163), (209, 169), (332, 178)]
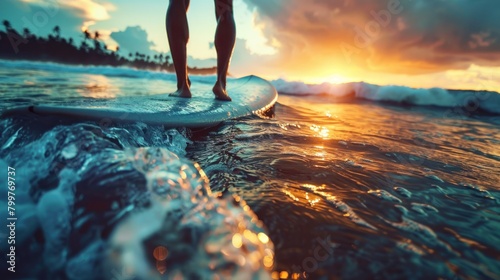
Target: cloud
[(40, 16), (133, 39), (245, 62), (406, 36), (84, 9)]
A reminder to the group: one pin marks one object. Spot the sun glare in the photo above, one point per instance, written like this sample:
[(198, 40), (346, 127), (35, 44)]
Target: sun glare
[(333, 79), (337, 79)]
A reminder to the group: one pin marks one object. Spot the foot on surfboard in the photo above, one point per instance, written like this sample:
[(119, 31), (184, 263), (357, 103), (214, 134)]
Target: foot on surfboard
[(182, 92), (220, 92)]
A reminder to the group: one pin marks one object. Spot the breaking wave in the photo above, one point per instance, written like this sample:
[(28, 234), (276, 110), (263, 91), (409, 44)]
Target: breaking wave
[(460, 101)]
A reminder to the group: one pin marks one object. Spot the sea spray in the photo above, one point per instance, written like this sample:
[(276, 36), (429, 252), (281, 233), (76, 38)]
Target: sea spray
[(219, 236), (463, 102)]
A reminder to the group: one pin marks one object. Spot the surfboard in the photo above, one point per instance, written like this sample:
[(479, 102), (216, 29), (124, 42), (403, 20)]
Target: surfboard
[(250, 95)]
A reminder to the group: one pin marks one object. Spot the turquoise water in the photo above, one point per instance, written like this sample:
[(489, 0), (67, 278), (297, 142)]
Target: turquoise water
[(352, 189)]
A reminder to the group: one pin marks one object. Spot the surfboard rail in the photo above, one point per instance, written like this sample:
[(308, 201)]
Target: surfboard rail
[(250, 94)]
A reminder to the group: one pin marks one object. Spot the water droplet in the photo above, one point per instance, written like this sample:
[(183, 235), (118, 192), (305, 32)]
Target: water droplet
[(69, 151)]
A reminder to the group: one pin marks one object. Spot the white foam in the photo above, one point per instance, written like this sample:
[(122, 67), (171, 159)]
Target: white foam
[(230, 236), (462, 102), (300, 88)]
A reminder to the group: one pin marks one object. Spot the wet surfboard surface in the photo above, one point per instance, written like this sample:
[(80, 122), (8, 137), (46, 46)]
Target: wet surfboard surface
[(250, 95)]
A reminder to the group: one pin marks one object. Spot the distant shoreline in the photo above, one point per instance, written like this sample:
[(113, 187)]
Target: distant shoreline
[(15, 45)]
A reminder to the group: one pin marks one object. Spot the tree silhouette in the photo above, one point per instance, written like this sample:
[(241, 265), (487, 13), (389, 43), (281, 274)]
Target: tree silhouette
[(86, 36), (54, 48), (97, 45), (57, 32), (7, 25), (27, 33)]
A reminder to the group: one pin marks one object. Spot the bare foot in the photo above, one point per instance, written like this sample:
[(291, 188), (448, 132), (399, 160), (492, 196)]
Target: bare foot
[(182, 92), (220, 92)]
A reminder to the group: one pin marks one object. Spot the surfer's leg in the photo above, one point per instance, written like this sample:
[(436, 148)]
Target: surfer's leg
[(225, 36), (178, 36)]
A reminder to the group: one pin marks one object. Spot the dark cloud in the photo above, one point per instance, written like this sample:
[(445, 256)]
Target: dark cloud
[(133, 39), (406, 36)]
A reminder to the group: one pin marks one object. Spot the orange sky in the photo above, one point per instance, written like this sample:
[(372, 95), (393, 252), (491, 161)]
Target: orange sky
[(417, 43)]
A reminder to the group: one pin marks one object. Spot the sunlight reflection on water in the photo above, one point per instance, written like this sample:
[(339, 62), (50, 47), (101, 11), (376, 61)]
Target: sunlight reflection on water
[(398, 192), (387, 183)]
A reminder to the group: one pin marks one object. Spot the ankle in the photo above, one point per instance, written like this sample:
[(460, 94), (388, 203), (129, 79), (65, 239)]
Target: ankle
[(221, 83), (183, 85)]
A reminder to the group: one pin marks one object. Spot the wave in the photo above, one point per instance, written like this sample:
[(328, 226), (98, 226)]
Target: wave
[(110, 71), (122, 193), (459, 101)]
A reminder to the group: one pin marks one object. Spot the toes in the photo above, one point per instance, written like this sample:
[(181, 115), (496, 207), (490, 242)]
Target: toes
[(183, 94), (223, 97)]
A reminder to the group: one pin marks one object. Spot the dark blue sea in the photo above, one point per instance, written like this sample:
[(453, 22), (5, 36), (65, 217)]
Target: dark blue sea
[(351, 181)]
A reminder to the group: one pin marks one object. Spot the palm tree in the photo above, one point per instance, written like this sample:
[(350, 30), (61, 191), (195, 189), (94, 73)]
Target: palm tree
[(7, 25), (86, 35), (57, 32), (27, 33), (97, 45)]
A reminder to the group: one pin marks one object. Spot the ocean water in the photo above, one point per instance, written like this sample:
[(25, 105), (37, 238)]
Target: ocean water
[(336, 185)]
